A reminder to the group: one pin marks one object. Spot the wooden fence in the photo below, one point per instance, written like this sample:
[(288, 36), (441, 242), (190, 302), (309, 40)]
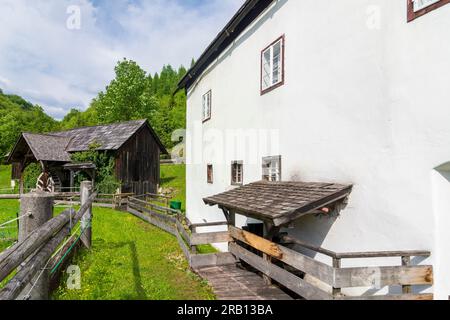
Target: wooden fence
[(303, 275), (27, 261)]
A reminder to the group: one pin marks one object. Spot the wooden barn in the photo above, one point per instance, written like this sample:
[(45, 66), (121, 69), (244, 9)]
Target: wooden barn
[(134, 145)]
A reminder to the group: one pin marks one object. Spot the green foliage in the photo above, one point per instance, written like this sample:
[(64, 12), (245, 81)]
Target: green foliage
[(104, 178), (173, 177), (31, 175), (135, 94), (18, 115)]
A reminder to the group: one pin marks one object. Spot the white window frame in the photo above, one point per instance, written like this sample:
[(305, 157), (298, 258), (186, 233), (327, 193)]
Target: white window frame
[(206, 106), (270, 49), (273, 171), (422, 4), (235, 175)]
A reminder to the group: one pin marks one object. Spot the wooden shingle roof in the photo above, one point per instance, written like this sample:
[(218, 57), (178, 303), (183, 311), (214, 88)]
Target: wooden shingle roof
[(109, 137), (57, 146), (279, 202), (48, 147)]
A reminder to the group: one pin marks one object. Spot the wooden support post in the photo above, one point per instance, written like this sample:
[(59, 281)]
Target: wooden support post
[(194, 248), (337, 265), (86, 220), (269, 232), (35, 209), (406, 261)]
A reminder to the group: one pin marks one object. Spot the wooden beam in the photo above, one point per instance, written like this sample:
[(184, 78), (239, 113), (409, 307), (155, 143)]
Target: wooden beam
[(285, 278), (14, 256), (317, 269), (383, 254), (208, 238), (156, 222), (383, 276), (212, 260), (406, 261)]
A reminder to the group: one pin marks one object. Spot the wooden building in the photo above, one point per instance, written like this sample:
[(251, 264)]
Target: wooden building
[(134, 145)]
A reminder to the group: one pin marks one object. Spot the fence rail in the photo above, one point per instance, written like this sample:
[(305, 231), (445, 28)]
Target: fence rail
[(306, 276), (33, 252)]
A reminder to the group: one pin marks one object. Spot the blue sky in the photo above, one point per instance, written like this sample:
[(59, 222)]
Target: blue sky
[(59, 68)]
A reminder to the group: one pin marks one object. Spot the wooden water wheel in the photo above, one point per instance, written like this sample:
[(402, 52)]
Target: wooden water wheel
[(45, 183)]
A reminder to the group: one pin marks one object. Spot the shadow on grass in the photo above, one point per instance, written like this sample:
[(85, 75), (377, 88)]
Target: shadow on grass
[(167, 180), (139, 289)]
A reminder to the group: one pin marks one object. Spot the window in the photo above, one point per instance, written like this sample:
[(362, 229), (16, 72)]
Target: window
[(272, 168), (417, 8), (207, 106), (210, 174), (237, 173), (272, 66)]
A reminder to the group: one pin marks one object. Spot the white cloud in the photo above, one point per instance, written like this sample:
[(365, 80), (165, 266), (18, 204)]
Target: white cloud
[(41, 59)]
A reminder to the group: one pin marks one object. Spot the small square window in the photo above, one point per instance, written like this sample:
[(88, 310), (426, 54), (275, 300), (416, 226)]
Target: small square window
[(206, 107), (210, 174), (272, 66), (237, 173), (271, 167)]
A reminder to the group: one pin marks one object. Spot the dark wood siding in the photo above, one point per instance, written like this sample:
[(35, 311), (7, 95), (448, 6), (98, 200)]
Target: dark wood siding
[(137, 163)]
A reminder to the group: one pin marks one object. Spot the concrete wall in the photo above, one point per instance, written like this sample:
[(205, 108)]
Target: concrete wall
[(365, 102)]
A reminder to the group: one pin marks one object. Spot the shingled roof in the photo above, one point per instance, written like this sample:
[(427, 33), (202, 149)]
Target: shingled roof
[(47, 147), (280, 202), (109, 137), (57, 146)]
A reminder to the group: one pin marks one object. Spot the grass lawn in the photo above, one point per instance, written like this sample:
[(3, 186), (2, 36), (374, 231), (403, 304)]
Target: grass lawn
[(130, 259), (174, 177)]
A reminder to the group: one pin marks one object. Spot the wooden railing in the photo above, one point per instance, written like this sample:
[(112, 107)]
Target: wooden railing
[(114, 201), (173, 222), (33, 253), (303, 275)]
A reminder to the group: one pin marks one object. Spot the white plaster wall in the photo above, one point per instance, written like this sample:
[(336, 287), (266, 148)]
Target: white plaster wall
[(360, 105)]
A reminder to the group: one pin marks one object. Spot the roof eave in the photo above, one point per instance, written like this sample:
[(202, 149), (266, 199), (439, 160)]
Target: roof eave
[(212, 49)]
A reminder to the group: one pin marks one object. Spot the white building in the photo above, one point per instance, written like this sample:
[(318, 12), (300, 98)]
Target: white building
[(349, 92)]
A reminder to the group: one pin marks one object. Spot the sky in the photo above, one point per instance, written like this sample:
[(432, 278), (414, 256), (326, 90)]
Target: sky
[(61, 53)]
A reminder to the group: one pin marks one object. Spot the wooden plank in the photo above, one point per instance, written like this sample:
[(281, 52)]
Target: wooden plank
[(156, 215), (383, 254), (183, 233), (9, 196), (280, 275), (184, 247), (256, 242), (317, 269), (383, 276), (209, 224), (214, 259), (208, 238), (406, 261), (423, 296), (158, 223)]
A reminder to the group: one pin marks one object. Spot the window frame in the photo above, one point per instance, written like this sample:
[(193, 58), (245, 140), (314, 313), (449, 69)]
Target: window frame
[(210, 174), (280, 167), (241, 183), (210, 106), (283, 55), (412, 15)]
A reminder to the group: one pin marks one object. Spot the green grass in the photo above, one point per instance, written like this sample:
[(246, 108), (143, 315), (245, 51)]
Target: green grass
[(174, 177), (130, 259)]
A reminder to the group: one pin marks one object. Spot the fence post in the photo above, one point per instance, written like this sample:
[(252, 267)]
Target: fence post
[(35, 209), (86, 220), (406, 261), (337, 265)]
